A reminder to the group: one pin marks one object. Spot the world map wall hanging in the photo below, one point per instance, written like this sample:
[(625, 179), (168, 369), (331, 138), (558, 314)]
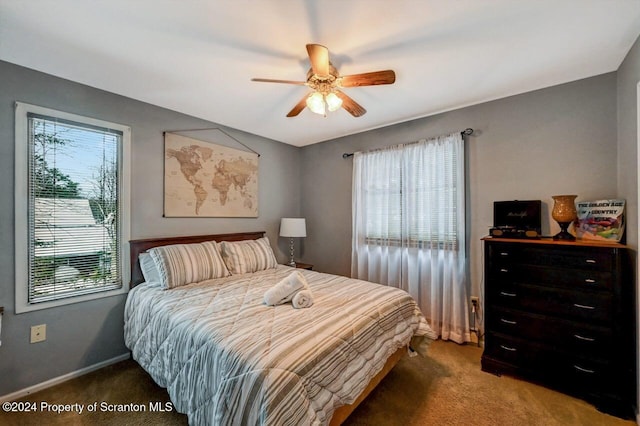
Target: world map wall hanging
[(203, 179)]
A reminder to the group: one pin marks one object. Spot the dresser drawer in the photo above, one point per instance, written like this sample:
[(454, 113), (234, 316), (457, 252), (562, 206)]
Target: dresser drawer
[(576, 257), (555, 366), (541, 275), (575, 337), (509, 350), (559, 302), (578, 279), (588, 258), (586, 375)]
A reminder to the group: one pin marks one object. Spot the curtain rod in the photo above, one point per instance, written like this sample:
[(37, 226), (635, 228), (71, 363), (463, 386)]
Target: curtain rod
[(466, 132)]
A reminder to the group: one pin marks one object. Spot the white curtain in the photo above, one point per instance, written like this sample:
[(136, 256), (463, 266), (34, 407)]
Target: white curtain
[(409, 227)]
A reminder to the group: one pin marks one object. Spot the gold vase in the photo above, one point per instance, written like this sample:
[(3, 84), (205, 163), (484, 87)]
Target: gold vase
[(564, 212)]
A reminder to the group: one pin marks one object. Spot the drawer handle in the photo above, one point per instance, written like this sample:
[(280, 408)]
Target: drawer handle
[(503, 293), (577, 305), (591, 261), (506, 321), (504, 253), (507, 348), (504, 270), (584, 370), (590, 281), (586, 339)]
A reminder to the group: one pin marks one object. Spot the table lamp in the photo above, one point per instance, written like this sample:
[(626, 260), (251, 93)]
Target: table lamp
[(292, 227)]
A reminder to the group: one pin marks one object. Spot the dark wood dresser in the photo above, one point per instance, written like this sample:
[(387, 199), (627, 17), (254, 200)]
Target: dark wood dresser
[(562, 314)]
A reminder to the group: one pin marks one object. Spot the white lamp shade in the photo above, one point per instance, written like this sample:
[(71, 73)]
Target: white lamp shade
[(333, 101), (293, 227), (315, 102)]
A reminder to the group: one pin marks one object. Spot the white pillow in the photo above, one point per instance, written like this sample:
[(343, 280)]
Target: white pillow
[(242, 257), (149, 270), (181, 264)]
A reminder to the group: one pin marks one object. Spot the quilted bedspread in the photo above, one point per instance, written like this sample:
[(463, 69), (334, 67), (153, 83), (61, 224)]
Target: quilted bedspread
[(227, 358)]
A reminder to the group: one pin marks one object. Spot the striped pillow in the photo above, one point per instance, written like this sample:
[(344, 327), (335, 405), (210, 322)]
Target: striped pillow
[(149, 269), (181, 264), (242, 257)]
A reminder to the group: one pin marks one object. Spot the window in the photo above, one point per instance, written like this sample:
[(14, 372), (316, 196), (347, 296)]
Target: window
[(71, 204), (409, 227), (410, 194)]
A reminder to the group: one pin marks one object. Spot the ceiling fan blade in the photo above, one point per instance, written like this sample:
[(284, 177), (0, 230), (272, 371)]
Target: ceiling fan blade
[(368, 79), (299, 107), (319, 57), (350, 105), (269, 80)]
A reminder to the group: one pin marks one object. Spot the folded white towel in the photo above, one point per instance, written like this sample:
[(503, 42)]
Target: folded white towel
[(302, 299), (284, 291)]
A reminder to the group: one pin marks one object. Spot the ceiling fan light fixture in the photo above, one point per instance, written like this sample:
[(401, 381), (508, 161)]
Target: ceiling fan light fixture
[(315, 102), (333, 101), (325, 83)]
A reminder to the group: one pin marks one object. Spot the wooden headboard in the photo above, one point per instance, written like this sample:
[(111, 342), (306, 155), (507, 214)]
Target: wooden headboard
[(140, 246)]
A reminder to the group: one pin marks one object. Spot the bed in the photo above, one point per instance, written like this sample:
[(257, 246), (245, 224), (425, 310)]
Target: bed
[(225, 357)]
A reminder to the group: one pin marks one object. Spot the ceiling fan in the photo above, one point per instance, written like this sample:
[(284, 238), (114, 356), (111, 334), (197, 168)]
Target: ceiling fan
[(326, 82)]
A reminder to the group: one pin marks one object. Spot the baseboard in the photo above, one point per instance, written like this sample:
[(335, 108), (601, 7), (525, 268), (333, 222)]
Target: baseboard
[(60, 379)]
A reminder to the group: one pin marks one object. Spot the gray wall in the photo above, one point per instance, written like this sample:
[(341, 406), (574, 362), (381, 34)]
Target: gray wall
[(628, 79), (559, 140), (83, 334)]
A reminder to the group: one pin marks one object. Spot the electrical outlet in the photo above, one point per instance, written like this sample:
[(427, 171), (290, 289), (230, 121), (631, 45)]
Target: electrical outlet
[(475, 302), (38, 333)]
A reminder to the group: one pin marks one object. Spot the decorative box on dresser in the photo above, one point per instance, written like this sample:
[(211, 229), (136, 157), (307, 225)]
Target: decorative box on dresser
[(562, 314)]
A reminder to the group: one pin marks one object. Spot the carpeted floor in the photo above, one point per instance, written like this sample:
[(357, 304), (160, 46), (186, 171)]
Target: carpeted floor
[(446, 388)]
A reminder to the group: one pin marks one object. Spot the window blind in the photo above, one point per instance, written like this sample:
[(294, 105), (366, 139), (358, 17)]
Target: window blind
[(74, 208), (410, 195)]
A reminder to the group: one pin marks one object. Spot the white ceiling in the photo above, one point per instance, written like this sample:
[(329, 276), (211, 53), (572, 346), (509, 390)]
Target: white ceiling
[(198, 57)]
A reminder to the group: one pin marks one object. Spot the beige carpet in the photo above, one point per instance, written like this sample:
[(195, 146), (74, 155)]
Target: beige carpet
[(447, 388)]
